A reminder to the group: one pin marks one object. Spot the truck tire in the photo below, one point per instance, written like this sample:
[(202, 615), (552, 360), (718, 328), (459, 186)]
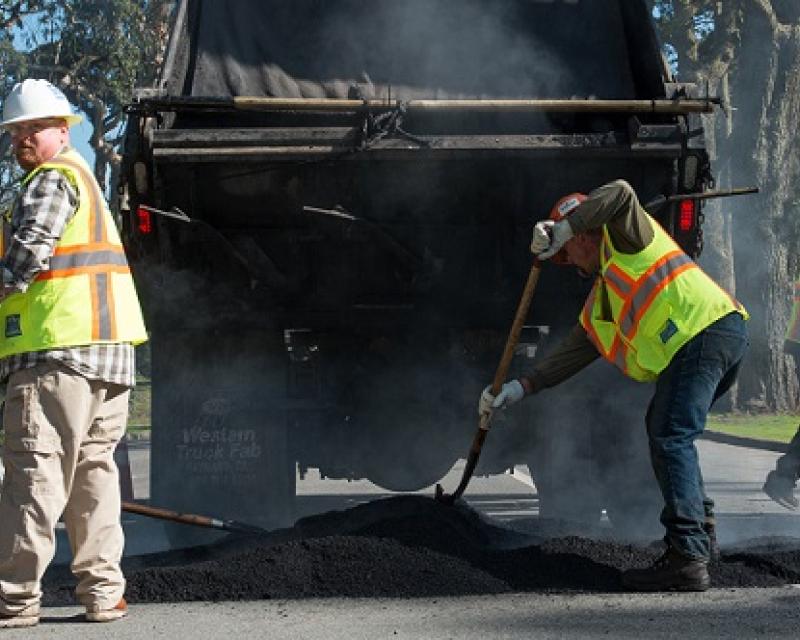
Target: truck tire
[(410, 447)]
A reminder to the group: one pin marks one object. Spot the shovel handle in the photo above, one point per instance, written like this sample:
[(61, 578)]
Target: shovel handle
[(499, 378), (190, 518), (516, 329)]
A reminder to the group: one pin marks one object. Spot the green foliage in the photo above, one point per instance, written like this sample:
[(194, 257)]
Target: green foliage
[(139, 406), (12, 16), (96, 51), (688, 27), (680, 15), (774, 427)]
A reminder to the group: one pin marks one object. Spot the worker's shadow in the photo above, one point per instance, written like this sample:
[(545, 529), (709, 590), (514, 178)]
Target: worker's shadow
[(78, 618)]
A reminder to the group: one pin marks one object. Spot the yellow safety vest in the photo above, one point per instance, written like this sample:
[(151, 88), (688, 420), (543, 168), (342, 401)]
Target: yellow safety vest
[(793, 331), (87, 295), (645, 306)]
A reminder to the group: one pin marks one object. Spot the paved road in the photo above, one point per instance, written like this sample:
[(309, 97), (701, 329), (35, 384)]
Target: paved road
[(739, 613), (733, 477)]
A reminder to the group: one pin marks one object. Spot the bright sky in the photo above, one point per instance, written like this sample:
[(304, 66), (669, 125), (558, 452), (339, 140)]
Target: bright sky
[(79, 135)]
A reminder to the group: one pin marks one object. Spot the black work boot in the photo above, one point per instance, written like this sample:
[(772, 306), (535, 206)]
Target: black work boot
[(781, 489), (713, 546), (671, 572)]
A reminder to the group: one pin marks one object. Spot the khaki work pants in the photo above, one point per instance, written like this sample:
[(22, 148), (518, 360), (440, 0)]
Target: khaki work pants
[(61, 430)]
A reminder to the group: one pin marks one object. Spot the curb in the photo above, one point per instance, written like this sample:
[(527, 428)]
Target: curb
[(750, 443), (138, 436)]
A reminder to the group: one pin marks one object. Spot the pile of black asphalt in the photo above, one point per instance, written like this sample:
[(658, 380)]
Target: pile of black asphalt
[(411, 546)]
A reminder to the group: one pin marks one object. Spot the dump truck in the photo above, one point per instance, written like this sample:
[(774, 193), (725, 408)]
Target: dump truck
[(327, 207)]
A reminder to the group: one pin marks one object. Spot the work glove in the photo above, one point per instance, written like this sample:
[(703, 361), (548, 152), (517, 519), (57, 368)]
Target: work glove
[(781, 490), (511, 393), (548, 237)]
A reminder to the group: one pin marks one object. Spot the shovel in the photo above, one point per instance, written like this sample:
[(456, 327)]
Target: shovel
[(497, 385), (191, 518)]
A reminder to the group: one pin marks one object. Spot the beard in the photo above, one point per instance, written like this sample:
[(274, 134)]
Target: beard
[(27, 157)]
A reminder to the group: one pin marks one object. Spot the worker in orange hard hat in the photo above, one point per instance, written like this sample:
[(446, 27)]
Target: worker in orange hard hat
[(655, 315), (560, 211)]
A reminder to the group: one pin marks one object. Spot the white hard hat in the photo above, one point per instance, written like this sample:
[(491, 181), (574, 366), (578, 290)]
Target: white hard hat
[(36, 99)]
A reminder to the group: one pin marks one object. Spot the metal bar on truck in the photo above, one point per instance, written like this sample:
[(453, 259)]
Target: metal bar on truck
[(297, 154), (258, 103), (199, 154), (281, 136), (580, 145)]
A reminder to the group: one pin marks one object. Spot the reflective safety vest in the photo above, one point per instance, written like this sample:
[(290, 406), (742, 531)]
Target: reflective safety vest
[(645, 306), (86, 295), (793, 331)]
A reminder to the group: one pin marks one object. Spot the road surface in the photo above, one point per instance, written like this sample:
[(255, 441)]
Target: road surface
[(733, 477)]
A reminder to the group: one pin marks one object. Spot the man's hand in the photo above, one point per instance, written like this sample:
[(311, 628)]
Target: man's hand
[(549, 237), (511, 393), (542, 234)]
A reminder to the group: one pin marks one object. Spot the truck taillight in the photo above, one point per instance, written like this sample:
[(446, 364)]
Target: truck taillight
[(144, 220), (686, 216)]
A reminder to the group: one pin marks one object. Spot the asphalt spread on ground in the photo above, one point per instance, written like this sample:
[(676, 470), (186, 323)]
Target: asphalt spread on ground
[(412, 546)]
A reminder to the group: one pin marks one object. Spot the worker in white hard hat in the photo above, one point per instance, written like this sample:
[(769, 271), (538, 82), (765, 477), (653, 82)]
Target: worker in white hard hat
[(69, 319)]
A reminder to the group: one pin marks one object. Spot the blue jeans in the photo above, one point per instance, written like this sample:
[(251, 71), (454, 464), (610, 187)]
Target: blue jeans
[(699, 373)]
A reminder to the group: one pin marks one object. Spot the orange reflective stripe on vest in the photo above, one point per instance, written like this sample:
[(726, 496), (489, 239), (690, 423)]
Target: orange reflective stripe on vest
[(95, 259), (646, 305), (637, 297), (96, 226), (648, 286), (609, 351), (620, 282), (86, 295)]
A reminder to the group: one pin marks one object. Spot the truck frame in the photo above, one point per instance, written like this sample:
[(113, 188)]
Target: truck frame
[(327, 208)]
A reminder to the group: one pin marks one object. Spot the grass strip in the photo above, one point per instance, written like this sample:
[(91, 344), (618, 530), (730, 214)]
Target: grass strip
[(772, 427)]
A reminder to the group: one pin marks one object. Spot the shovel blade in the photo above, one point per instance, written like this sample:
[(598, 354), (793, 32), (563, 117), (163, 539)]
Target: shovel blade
[(440, 496)]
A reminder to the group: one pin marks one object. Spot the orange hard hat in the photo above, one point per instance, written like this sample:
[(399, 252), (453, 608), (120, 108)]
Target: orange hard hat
[(561, 209)]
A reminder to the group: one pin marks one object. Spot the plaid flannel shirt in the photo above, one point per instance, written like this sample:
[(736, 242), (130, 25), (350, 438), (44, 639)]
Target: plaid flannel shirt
[(39, 216)]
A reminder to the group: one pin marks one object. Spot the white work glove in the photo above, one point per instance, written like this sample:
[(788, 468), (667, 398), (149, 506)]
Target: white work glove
[(511, 393), (548, 238)]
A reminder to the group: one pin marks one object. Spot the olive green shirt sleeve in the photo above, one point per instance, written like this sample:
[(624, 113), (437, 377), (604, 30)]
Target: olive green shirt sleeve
[(571, 355), (615, 206)]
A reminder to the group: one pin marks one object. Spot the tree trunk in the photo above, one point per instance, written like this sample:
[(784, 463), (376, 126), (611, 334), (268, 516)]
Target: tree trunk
[(717, 257), (760, 146), (752, 60)]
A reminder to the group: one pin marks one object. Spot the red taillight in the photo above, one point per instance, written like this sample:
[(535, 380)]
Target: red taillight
[(686, 217), (145, 220)]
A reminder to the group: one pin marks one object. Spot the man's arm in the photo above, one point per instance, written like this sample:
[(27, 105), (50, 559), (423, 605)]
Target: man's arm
[(573, 353), (616, 206), (43, 210)]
